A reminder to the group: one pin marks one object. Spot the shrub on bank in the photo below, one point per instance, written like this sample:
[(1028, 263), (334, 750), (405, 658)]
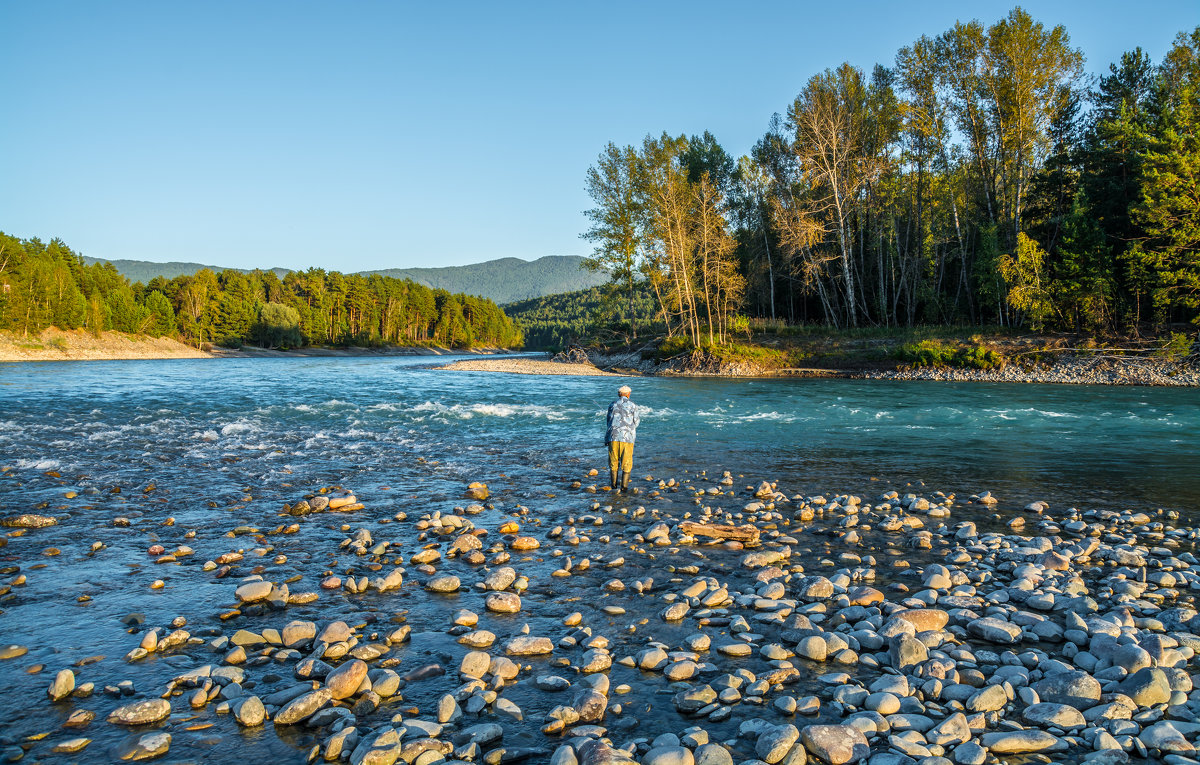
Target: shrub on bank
[(935, 353)]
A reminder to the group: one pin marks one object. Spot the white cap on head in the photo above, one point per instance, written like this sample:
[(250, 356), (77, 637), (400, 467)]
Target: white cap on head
[(624, 390)]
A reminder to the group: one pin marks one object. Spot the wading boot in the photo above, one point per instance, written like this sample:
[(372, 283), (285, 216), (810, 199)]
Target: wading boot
[(612, 481), (625, 484)]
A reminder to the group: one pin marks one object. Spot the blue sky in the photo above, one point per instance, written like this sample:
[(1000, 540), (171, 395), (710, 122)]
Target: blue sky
[(368, 135)]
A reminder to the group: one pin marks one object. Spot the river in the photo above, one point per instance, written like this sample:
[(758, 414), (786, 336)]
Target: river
[(214, 444)]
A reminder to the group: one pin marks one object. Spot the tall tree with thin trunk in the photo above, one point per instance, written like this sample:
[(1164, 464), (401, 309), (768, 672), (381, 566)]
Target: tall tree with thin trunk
[(611, 183)]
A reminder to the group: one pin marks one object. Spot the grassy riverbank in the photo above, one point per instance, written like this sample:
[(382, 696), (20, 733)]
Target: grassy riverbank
[(780, 349), (930, 353)]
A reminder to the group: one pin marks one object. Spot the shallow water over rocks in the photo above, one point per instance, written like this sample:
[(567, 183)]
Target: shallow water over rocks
[(153, 469)]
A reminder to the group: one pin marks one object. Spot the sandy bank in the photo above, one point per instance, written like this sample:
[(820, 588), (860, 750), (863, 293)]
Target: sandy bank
[(80, 345), (526, 367), (249, 352)]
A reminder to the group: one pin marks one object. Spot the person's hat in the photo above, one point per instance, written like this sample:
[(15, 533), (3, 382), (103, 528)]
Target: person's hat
[(624, 390)]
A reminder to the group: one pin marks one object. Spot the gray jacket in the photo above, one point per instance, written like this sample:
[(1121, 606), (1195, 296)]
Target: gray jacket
[(623, 420)]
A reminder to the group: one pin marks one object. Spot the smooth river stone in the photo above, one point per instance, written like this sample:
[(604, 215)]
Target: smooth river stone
[(344, 681), (143, 746), (303, 707), (1047, 714), (335, 632), (298, 633), (61, 687), (251, 592), (835, 744), (28, 521), (924, 619), (478, 639), (773, 744), (249, 712), (735, 649), (1073, 688), (475, 664), (1147, 687), (500, 578), (669, 755), (503, 602), (528, 645), (443, 583), (995, 630), (1018, 742), (141, 712)]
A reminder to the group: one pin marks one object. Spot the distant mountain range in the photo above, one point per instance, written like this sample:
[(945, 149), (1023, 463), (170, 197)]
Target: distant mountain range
[(505, 280)]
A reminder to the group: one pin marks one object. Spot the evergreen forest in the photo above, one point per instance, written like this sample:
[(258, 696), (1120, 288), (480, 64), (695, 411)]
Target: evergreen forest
[(47, 284), (584, 316), (979, 178)]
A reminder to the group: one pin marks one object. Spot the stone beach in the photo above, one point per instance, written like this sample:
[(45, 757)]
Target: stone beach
[(901, 627)]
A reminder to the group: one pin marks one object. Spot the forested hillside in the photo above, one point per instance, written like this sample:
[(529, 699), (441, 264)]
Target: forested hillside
[(507, 279), (143, 270), (977, 178), (555, 321), (46, 284), (501, 281)]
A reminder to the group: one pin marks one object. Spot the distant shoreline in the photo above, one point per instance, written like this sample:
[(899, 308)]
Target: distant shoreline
[(79, 345), (1069, 371)]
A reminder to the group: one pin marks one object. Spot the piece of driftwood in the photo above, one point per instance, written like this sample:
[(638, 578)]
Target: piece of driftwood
[(746, 533)]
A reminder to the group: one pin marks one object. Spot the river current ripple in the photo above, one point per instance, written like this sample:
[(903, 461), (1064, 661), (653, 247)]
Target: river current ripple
[(215, 444)]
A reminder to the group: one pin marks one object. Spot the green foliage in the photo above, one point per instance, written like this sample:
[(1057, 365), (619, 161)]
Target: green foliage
[(1176, 346), (162, 315), (125, 314), (1028, 284), (937, 354), (673, 346), (978, 181), (277, 326), (595, 314), (44, 285)]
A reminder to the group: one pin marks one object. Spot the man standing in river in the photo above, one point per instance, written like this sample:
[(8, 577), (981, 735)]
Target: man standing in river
[(623, 420)]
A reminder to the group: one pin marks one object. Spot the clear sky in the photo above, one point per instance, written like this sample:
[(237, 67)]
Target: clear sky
[(367, 135)]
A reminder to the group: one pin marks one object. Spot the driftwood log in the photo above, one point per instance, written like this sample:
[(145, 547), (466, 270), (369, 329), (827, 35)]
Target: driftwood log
[(746, 533)]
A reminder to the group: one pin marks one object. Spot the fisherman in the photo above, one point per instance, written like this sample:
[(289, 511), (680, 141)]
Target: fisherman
[(623, 420)]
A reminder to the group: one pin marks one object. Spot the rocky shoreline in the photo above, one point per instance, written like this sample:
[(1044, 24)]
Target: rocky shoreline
[(1072, 369), (694, 621)]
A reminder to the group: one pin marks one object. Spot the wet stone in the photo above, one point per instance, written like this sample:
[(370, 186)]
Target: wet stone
[(141, 712), (344, 681), (303, 707), (62, 686), (145, 746), (503, 602)]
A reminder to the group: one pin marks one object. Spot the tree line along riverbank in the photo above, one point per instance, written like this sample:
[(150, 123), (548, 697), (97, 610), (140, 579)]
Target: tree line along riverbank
[(979, 177), (46, 284)]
